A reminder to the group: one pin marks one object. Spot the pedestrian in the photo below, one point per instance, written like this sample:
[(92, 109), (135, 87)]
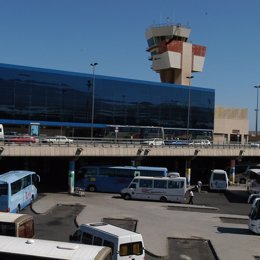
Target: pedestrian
[(199, 185), (191, 195)]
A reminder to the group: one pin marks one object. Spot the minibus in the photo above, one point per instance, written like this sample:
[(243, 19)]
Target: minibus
[(253, 180), (254, 217), (156, 188), (18, 189), (16, 248), (218, 180), (125, 244), (16, 225), (1, 132)]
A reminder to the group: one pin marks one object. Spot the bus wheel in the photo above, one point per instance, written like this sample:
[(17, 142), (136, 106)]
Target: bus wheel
[(18, 209), (163, 199), (92, 188), (127, 196)]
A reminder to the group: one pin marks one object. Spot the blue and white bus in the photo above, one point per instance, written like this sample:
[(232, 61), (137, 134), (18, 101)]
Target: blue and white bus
[(113, 178), (18, 189)]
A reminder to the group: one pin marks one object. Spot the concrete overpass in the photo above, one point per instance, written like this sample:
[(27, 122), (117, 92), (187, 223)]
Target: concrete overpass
[(124, 150)]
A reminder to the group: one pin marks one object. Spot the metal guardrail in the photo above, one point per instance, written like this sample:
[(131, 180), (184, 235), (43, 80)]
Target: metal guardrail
[(103, 142)]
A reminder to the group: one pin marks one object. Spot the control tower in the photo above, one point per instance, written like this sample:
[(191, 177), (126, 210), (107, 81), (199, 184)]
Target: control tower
[(172, 55)]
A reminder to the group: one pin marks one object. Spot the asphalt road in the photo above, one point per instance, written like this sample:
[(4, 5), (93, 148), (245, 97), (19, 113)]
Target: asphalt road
[(59, 222)]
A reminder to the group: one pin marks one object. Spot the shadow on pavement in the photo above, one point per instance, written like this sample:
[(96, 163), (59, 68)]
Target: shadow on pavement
[(232, 230)]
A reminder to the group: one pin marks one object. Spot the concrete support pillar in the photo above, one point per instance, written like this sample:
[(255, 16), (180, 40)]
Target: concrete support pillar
[(232, 170), (71, 180), (188, 171)]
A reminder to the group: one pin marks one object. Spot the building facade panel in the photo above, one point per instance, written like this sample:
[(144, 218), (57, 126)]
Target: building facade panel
[(58, 98)]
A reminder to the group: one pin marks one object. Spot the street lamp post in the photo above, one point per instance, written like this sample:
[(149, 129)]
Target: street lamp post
[(93, 65), (188, 160), (256, 111), (188, 116)]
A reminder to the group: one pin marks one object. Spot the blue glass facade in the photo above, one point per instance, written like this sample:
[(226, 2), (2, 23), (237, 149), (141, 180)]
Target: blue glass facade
[(58, 98)]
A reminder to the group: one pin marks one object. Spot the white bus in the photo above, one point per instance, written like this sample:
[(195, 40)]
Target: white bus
[(16, 248), (125, 244), (218, 180), (254, 217), (253, 180), (1, 132), (18, 189), (16, 225), (156, 188)]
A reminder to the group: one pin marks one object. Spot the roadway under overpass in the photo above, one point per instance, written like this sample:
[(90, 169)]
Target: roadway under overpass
[(51, 162)]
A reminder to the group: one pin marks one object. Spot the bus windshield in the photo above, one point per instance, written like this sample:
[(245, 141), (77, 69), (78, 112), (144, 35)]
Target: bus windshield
[(219, 177)]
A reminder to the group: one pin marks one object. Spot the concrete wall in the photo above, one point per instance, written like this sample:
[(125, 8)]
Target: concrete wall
[(230, 121)]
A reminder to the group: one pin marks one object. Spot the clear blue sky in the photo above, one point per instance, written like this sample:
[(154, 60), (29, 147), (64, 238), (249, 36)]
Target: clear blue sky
[(71, 34)]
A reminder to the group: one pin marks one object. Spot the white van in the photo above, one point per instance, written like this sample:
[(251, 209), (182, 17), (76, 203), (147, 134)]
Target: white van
[(218, 180), (254, 217), (253, 180), (156, 188), (125, 244), (2, 132)]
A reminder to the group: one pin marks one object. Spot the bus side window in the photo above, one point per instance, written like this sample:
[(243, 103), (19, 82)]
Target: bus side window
[(132, 186), (146, 183), (160, 184), (7, 229), (109, 244), (26, 181), (173, 184), (76, 236), (16, 187), (97, 241), (87, 238)]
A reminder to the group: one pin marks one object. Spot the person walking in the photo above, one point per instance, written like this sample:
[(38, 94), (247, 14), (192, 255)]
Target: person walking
[(191, 195)]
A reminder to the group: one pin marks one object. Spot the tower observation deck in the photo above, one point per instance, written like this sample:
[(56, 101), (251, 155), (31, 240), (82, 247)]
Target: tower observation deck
[(172, 55)]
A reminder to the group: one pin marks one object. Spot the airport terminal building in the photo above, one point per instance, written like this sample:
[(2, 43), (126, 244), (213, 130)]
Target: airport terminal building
[(74, 104)]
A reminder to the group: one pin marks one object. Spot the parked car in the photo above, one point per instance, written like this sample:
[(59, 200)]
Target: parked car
[(19, 139), (154, 142), (200, 142), (58, 139), (176, 142), (240, 172), (255, 144)]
